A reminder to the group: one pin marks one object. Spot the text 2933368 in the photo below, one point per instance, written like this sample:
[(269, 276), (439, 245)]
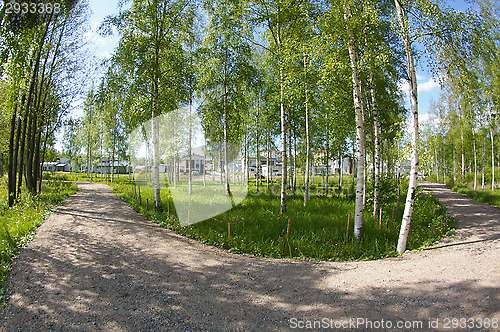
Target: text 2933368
[(32, 7)]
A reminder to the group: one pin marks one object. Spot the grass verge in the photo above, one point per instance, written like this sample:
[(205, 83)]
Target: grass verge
[(18, 223), (319, 231), (491, 197)]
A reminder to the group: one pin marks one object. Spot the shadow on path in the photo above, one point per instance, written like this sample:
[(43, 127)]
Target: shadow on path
[(477, 221), (96, 265)]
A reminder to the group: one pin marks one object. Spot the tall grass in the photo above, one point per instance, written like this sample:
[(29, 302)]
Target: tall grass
[(318, 231), (487, 196), (18, 223)]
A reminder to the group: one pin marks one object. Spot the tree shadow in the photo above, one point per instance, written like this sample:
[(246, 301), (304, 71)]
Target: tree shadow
[(73, 277), (476, 220)]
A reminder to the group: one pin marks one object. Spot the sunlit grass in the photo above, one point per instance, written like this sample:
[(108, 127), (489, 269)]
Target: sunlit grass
[(318, 231), (488, 196)]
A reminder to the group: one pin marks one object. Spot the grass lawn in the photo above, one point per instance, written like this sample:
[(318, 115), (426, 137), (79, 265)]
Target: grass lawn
[(322, 230)]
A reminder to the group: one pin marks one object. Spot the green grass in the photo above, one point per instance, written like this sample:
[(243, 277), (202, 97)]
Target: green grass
[(318, 231), (18, 223), (491, 197)]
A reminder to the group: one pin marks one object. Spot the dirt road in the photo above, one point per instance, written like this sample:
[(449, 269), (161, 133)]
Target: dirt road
[(96, 265)]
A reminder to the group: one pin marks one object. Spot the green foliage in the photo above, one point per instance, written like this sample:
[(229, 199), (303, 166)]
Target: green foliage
[(429, 222), (18, 223), (388, 191)]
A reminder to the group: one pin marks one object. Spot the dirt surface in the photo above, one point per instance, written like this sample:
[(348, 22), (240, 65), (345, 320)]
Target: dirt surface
[(96, 265)]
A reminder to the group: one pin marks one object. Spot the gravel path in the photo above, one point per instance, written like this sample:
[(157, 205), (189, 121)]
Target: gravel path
[(96, 265)]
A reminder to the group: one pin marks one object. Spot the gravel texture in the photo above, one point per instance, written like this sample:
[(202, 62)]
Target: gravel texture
[(96, 265)]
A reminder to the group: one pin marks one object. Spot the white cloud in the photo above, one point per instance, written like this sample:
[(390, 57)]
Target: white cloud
[(404, 86), (427, 117), (429, 85), (103, 45), (422, 85)]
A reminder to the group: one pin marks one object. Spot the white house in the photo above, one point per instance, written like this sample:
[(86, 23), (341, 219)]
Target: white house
[(197, 164), (119, 167), (63, 165)]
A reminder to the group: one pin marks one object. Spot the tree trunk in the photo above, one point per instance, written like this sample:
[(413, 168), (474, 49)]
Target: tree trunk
[(436, 161), (376, 189), (156, 146), (113, 160), (12, 159), (327, 164), (454, 163), (475, 159), (492, 135), (21, 156), (226, 159), (36, 164), (257, 163), (341, 161), (290, 169), (294, 168), (482, 171), (268, 165), (412, 187), (43, 157), (30, 181), (283, 143), (306, 180), (463, 157), (190, 180), (360, 131)]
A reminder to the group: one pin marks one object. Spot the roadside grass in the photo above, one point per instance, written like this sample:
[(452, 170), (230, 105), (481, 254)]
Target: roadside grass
[(317, 232), (491, 197), (18, 223)]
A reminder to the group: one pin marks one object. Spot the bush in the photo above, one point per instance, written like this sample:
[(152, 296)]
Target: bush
[(388, 191)]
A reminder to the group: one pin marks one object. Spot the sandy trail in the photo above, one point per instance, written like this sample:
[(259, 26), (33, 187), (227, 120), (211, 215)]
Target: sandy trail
[(96, 265)]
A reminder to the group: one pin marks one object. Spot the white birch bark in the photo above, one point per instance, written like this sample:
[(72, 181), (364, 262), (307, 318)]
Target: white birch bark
[(410, 197), (360, 132), (482, 172), (341, 163), (492, 159), (257, 173), (226, 120), (283, 121), (463, 157), (156, 162), (376, 189), (454, 163), (267, 163), (475, 159), (436, 161), (294, 162), (190, 180), (113, 161), (306, 180)]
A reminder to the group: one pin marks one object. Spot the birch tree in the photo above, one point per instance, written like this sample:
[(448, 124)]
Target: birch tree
[(360, 127), (412, 80), (150, 49)]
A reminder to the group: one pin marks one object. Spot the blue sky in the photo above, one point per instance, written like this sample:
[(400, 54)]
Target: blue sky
[(103, 47)]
